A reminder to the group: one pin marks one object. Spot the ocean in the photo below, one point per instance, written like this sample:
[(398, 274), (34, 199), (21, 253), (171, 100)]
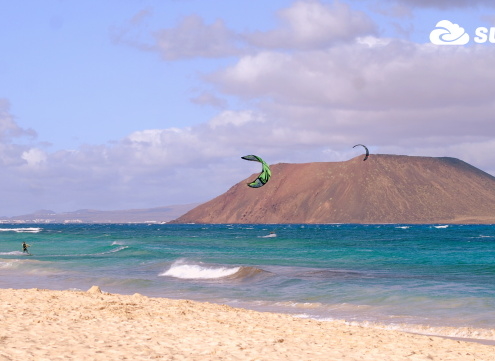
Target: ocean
[(430, 279)]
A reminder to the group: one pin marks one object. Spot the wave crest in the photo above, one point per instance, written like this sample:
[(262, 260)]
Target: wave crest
[(14, 253), (22, 230), (182, 270)]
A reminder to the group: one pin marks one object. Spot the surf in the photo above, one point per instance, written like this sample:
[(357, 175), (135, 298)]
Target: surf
[(22, 230), (13, 253), (189, 271), (270, 235)]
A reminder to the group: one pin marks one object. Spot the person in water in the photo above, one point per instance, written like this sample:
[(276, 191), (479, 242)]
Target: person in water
[(25, 247)]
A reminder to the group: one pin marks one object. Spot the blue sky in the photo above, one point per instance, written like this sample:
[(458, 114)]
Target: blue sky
[(136, 104)]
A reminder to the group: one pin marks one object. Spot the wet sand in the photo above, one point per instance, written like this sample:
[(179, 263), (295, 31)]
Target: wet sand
[(69, 325)]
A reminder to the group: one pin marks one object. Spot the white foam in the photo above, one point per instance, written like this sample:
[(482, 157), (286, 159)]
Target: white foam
[(293, 304), (115, 250), (271, 235), (456, 332), (13, 253), (462, 332), (8, 264), (22, 230), (194, 271)]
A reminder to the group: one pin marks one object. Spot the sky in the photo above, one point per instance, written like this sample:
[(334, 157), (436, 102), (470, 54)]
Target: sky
[(123, 104)]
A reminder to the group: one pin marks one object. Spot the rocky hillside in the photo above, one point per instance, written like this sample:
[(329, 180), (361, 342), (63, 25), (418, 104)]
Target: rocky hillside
[(382, 189)]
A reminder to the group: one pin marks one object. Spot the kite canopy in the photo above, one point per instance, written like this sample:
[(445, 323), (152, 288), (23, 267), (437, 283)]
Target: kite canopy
[(367, 151), (265, 174)]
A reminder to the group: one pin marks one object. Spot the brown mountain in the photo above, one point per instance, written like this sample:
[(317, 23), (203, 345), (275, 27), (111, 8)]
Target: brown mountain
[(382, 189)]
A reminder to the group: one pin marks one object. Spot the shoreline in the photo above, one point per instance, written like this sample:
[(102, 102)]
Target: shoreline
[(464, 339), (56, 325)]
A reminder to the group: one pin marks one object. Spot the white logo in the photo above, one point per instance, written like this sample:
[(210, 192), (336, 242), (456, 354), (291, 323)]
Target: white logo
[(484, 34), (447, 33)]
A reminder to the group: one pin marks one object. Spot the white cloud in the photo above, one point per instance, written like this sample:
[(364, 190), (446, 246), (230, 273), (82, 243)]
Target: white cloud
[(306, 24), (398, 75), (310, 24), (190, 38), (206, 98), (8, 127), (10, 131), (193, 38), (34, 157), (237, 119), (389, 94)]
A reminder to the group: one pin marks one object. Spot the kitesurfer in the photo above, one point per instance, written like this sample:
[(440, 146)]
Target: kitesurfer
[(25, 247)]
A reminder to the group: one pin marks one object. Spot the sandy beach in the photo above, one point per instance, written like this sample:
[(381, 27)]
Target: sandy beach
[(73, 325)]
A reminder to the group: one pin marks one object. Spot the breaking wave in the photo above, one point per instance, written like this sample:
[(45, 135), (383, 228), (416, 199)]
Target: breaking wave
[(115, 249), (12, 253), (271, 235), (182, 270), (22, 230)]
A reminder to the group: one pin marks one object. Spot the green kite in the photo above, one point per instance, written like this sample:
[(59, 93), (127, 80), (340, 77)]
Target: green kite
[(265, 174)]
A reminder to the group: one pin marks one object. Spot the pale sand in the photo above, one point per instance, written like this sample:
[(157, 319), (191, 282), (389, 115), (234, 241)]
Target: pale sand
[(67, 325)]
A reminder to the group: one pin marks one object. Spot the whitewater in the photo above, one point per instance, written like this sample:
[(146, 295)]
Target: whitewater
[(432, 279)]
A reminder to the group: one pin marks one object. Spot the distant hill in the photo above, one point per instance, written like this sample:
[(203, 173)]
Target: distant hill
[(158, 215), (382, 189)]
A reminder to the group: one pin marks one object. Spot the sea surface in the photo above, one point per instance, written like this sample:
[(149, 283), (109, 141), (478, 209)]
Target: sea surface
[(430, 279)]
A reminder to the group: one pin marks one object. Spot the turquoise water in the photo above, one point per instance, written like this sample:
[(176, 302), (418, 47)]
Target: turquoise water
[(434, 279)]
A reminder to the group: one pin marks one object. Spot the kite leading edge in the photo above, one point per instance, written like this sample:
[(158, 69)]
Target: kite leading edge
[(367, 151), (265, 174)]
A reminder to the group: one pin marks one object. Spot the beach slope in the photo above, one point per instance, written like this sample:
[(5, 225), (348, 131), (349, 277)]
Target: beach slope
[(69, 325)]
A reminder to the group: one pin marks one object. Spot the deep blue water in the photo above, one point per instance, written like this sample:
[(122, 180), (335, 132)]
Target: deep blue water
[(424, 278)]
